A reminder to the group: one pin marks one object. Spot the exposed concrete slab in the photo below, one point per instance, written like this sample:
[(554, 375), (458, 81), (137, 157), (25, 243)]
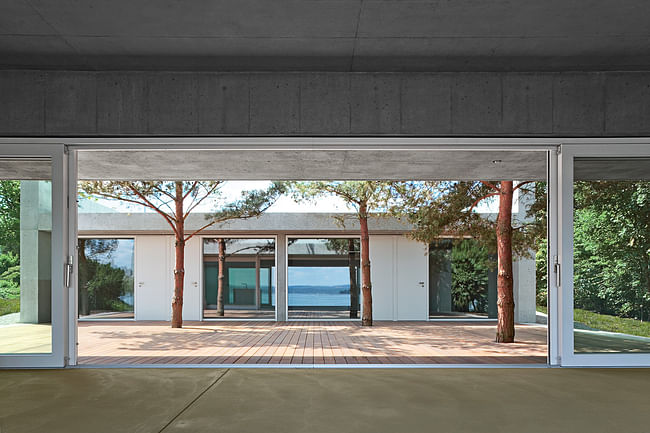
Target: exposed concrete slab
[(70, 103), (224, 104), (374, 401), (578, 104), (22, 98), (107, 400), (122, 103), (172, 103), (628, 103), (325, 104), (275, 104), (387, 35), (426, 104), (376, 104), (477, 103), (527, 104), (488, 104), (311, 165)]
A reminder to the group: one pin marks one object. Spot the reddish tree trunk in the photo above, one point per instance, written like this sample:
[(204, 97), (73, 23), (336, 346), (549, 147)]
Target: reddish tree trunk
[(366, 287), (505, 299), (179, 269), (220, 279), (354, 288)]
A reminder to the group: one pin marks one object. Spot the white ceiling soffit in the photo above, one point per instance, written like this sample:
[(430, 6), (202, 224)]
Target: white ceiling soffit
[(25, 169), (311, 165)]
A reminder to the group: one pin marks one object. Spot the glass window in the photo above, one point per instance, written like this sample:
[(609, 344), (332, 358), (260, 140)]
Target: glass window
[(462, 280), (324, 278), (611, 229), (106, 278), (248, 289), (25, 256)]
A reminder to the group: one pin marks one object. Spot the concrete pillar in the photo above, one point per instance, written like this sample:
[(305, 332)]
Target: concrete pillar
[(35, 251)]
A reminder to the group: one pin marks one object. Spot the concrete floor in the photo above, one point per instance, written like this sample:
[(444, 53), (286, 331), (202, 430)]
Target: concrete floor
[(344, 400)]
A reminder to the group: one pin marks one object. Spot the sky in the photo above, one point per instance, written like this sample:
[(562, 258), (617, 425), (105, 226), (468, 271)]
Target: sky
[(232, 190)]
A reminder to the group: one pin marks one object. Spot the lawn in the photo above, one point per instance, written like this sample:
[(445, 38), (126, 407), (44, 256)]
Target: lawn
[(8, 306), (609, 323)]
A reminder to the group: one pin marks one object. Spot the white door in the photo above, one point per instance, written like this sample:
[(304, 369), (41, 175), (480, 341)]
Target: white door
[(34, 247), (153, 277), (412, 280)]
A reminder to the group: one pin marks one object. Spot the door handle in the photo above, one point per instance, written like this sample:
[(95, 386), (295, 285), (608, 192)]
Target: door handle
[(421, 283), (69, 268)]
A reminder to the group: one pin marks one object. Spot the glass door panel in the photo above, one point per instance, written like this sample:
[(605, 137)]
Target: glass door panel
[(31, 259)]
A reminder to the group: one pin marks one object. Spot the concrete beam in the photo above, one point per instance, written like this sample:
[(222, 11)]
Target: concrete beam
[(42, 103)]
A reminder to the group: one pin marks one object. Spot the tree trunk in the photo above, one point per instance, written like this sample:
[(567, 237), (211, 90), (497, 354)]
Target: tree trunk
[(84, 301), (354, 289), (366, 287), (221, 278), (179, 269), (505, 299)]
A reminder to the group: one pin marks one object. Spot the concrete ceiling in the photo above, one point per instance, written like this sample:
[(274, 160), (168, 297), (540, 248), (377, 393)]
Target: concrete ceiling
[(326, 35), (311, 165)]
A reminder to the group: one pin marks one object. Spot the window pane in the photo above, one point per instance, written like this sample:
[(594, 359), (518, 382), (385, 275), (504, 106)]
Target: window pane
[(25, 257), (106, 278), (612, 255), (249, 278), (324, 278)]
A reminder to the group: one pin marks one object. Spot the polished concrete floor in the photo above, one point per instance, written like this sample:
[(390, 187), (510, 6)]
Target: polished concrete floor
[(526, 400)]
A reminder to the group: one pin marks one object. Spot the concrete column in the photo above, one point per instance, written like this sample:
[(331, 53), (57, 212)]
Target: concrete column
[(281, 272), (35, 251)]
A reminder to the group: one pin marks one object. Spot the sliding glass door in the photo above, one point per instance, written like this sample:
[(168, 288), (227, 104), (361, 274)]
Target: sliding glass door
[(34, 267), (605, 222)]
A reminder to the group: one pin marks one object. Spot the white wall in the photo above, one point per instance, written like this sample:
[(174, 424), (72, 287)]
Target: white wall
[(397, 266), (524, 281), (153, 277), (192, 293)]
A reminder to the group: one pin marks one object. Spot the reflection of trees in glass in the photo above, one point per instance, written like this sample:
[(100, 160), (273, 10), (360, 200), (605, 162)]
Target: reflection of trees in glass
[(264, 246), (351, 248), (9, 246), (469, 281), (102, 286), (612, 248)]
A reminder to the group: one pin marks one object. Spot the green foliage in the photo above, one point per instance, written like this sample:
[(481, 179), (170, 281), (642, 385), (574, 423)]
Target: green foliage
[(8, 306), (361, 196), (605, 322), (105, 283), (10, 216), (612, 248), (470, 265), (9, 276), (447, 208)]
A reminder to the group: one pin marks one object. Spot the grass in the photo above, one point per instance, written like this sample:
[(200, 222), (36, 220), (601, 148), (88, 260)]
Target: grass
[(605, 322), (8, 306)]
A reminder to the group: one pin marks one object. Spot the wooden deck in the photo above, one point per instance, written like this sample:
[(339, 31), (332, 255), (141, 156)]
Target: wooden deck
[(111, 343)]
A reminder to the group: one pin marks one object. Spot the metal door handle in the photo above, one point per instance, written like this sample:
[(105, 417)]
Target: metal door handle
[(69, 267)]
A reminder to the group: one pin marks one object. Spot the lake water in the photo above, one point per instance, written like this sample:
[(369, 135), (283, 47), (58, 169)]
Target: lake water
[(318, 300)]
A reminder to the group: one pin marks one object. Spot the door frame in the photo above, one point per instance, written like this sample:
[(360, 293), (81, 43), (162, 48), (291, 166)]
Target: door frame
[(60, 307), (568, 153)]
